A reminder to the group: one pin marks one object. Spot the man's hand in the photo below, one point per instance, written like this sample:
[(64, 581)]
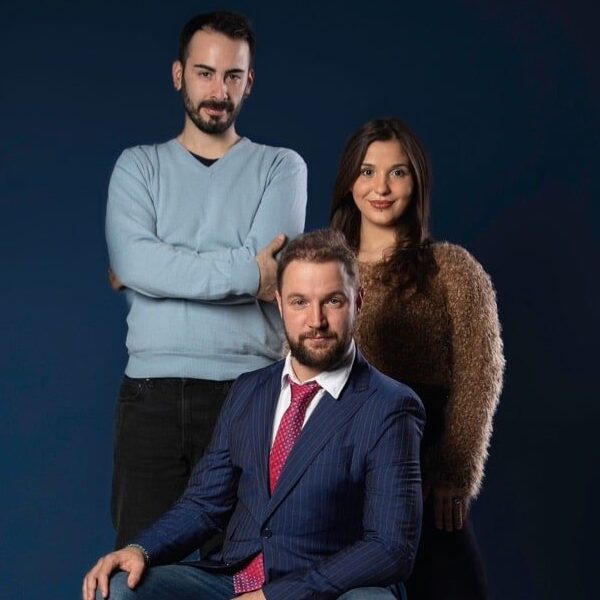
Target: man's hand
[(267, 265), (450, 507), (257, 595), (114, 282), (131, 560)]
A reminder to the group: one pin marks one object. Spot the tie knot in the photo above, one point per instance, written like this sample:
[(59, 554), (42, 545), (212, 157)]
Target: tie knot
[(303, 393)]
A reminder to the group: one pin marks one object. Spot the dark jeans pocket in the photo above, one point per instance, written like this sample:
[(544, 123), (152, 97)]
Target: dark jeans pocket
[(131, 389)]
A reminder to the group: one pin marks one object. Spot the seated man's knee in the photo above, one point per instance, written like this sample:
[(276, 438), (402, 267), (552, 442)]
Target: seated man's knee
[(118, 588)]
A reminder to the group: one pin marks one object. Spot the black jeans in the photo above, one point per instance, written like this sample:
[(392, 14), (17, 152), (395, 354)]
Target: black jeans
[(163, 426), (448, 564)]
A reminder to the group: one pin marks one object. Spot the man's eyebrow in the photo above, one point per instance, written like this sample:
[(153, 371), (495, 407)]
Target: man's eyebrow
[(340, 292), (201, 66), (213, 70)]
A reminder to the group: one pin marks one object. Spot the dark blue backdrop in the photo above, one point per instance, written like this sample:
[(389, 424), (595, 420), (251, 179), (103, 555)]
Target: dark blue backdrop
[(505, 96)]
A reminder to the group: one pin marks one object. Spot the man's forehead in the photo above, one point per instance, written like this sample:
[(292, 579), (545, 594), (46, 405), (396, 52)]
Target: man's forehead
[(208, 41), (310, 275)]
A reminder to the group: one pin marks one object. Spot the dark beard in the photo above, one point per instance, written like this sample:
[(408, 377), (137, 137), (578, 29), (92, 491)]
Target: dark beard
[(322, 361), (212, 126)]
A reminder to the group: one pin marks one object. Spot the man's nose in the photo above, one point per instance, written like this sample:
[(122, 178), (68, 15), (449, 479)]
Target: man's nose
[(219, 89), (316, 316)]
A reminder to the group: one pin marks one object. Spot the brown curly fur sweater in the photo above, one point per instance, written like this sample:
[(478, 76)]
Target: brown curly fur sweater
[(448, 339)]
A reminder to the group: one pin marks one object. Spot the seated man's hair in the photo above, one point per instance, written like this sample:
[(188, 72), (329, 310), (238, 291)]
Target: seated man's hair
[(321, 246)]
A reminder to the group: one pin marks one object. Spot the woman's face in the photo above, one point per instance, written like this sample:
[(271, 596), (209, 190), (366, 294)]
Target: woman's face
[(384, 186)]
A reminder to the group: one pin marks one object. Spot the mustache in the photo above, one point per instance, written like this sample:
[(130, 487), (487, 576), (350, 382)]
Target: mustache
[(216, 105), (315, 334)]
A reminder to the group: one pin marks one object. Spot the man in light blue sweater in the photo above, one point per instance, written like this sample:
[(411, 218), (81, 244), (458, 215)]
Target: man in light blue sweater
[(193, 226)]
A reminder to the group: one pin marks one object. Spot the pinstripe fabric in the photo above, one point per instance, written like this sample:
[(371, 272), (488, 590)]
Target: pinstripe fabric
[(252, 576), (347, 508)]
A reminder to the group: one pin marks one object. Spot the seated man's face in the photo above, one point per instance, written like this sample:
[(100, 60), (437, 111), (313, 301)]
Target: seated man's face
[(318, 307)]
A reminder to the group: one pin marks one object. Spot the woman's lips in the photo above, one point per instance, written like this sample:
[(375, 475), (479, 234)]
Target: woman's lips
[(381, 204)]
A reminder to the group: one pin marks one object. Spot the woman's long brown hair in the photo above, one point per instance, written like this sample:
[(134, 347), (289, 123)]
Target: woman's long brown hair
[(411, 261)]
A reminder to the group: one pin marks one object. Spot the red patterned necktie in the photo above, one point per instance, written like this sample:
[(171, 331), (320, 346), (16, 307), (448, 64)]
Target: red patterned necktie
[(252, 576)]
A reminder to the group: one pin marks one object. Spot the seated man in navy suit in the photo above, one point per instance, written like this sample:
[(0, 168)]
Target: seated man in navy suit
[(313, 470)]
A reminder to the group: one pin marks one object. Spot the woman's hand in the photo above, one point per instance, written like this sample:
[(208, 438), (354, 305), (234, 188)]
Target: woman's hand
[(449, 506)]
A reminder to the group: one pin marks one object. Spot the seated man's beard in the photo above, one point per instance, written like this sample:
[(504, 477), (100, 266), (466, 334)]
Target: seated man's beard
[(323, 359)]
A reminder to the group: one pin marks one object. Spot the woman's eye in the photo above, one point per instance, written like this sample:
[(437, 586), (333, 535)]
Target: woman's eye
[(366, 172), (399, 172)]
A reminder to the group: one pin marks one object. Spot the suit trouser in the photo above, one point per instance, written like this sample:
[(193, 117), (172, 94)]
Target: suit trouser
[(182, 582), (163, 426)]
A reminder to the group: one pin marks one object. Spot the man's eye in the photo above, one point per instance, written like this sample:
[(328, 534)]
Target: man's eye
[(298, 302), (234, 77), (204, 74), (335, 301)]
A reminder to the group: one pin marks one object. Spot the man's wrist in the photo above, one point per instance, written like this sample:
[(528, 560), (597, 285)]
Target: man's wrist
[(142, 550)]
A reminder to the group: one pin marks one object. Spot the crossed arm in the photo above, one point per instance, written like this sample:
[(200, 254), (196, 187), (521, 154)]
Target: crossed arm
[(267, 268), (143, 262)]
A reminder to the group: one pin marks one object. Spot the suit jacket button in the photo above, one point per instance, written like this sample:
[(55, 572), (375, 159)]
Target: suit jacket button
[(266, 533)]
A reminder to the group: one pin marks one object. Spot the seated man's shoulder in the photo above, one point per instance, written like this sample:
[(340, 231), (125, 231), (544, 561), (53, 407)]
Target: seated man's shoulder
[(258, 376), (249, 388), (394, 393)]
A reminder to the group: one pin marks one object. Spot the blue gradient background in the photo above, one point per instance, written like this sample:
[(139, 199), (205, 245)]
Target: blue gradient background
[(505, 96)]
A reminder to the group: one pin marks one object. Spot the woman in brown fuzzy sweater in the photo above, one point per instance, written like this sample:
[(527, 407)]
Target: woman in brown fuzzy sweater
[(428, 319)]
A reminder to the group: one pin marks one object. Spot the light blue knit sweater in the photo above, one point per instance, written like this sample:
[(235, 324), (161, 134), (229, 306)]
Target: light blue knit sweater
[(182, 238)]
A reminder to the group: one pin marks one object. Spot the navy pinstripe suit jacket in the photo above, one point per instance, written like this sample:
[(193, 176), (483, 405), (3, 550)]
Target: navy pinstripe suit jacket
[(346, 512)]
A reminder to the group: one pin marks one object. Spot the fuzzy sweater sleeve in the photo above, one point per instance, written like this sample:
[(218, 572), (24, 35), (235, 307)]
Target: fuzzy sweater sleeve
[(477, 371)]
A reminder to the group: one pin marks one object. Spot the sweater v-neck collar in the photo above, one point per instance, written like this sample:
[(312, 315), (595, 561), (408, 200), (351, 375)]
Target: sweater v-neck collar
[(216, 165)]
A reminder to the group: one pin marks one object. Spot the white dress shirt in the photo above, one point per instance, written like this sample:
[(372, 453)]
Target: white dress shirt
[(332, 382)]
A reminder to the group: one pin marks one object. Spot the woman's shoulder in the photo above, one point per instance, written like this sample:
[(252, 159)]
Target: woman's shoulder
[(454, 257), (457, 266), (447, 251)]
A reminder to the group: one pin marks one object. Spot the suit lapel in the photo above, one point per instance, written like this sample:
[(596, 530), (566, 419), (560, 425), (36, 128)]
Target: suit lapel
[(327, 418), (263, 411)]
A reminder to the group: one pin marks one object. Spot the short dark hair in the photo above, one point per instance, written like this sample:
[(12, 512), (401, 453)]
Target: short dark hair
[(231, 24), (321, 246)]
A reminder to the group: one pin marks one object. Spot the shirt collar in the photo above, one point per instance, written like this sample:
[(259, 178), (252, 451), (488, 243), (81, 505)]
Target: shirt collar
[(333, 381)]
